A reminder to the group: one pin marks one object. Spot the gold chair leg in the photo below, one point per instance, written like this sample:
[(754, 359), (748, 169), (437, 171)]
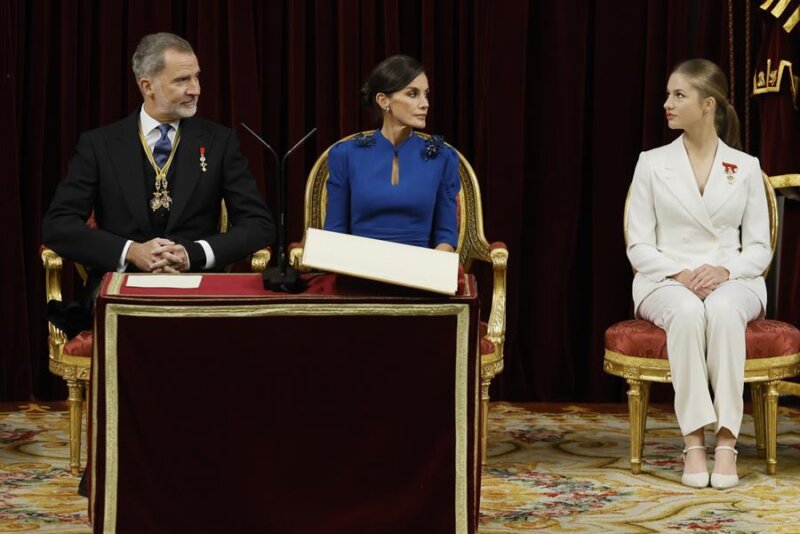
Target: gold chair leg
[(771, 425), (757, 395), (638, 398), (645, 394), (75, 401), (491, 366), (484, 428)]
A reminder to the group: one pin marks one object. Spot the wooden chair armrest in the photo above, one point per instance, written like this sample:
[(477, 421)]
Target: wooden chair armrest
[(296, 257), (53, 265), (260, 259), (497, 316)]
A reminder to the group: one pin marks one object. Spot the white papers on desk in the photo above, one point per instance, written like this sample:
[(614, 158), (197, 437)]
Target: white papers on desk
[(176, 281), (394, 263)]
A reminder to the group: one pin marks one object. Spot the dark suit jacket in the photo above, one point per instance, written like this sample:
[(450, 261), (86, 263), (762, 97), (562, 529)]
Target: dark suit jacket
[(107, 176)]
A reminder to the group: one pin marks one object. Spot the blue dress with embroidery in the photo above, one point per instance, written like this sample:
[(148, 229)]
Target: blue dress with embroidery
[(419, 210)]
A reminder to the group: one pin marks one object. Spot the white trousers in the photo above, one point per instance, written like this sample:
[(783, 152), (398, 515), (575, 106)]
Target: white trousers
[(705, 342)]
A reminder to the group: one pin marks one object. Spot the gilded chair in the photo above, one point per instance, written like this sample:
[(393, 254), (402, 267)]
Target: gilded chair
[(787, 184), (636, 350), (71, 358), (472, 245)]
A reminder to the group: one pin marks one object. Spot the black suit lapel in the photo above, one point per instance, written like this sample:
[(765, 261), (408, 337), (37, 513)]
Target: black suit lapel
[(187, 170), (125, 150)]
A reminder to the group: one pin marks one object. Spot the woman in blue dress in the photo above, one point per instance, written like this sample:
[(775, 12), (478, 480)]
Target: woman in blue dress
[(392, 184)]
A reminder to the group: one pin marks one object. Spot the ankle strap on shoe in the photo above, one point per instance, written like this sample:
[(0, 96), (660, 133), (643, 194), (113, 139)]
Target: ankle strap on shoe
[(726, 448), (692, 448)]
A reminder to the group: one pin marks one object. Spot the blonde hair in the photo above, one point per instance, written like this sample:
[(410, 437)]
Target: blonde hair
[(709, 80)]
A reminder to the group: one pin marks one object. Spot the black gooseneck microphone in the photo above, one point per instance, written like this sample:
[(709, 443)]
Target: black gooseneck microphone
[(283, 277)]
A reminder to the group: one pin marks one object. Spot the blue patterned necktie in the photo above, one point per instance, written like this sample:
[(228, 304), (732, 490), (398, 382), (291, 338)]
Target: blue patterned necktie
[(163, 147)]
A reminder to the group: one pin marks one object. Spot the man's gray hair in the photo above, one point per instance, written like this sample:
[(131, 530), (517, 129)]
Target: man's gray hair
[(148, 59)]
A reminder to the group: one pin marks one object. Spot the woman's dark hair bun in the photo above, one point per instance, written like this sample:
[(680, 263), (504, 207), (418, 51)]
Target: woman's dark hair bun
[(389, 76)]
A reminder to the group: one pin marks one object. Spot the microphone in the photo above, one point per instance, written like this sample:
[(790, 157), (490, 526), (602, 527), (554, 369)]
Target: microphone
[(283, 277)]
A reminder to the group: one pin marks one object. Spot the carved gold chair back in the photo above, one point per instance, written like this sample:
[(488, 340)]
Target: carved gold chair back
[(472, 245)]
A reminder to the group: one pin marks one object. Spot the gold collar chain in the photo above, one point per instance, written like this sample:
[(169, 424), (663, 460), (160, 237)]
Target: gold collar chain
[(161, 198)]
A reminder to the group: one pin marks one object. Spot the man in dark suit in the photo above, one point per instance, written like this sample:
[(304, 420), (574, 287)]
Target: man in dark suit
[(155, 181)]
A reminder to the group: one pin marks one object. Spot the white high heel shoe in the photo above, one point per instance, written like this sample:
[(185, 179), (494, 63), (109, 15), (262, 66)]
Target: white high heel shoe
[(694, 480), (720, 481)]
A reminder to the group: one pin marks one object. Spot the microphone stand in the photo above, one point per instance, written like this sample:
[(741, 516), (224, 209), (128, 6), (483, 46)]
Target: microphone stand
[(283, 277)]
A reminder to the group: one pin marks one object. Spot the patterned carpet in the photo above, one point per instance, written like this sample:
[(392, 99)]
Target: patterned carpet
[(569, 472), (550, 469), (37, 491)]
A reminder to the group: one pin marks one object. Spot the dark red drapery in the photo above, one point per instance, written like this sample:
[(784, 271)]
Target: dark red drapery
[(551, 100)]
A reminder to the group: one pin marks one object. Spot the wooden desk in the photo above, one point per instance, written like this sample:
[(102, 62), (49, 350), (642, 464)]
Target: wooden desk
[(352, 407)]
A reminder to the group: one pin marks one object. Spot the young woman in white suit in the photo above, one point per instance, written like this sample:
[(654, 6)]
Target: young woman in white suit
[(698, 238)]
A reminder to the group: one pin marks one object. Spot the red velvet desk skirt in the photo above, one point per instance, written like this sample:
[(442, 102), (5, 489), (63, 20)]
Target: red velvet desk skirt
[(352, 407)]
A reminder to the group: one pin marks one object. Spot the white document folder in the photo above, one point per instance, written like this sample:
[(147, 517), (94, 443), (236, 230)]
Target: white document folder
[(384, 261), (175, 281)]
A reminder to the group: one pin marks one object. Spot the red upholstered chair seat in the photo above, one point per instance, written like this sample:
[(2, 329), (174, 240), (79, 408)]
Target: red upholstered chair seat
[(765, 338), (80, 345), (487, 347), (637, 338)]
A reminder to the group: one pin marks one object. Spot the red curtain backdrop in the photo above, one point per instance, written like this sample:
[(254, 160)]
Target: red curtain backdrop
[(551, 100)]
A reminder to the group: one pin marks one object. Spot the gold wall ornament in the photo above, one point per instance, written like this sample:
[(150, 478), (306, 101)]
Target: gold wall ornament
[(792, 21), (769, 80), (779, 8)]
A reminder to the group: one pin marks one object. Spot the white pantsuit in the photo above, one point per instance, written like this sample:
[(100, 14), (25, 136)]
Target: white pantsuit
[(705, 342), (671, 227)]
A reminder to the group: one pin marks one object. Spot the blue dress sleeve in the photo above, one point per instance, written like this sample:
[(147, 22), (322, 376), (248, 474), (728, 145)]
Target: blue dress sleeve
[(445, 222), (337, 214)]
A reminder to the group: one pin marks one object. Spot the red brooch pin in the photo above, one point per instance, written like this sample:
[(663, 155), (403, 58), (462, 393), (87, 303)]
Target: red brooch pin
[(203, 163), (730, 171)]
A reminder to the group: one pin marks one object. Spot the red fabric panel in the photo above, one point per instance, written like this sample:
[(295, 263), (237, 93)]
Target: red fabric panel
[(765, 338), (80, 345), (367, 438)]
